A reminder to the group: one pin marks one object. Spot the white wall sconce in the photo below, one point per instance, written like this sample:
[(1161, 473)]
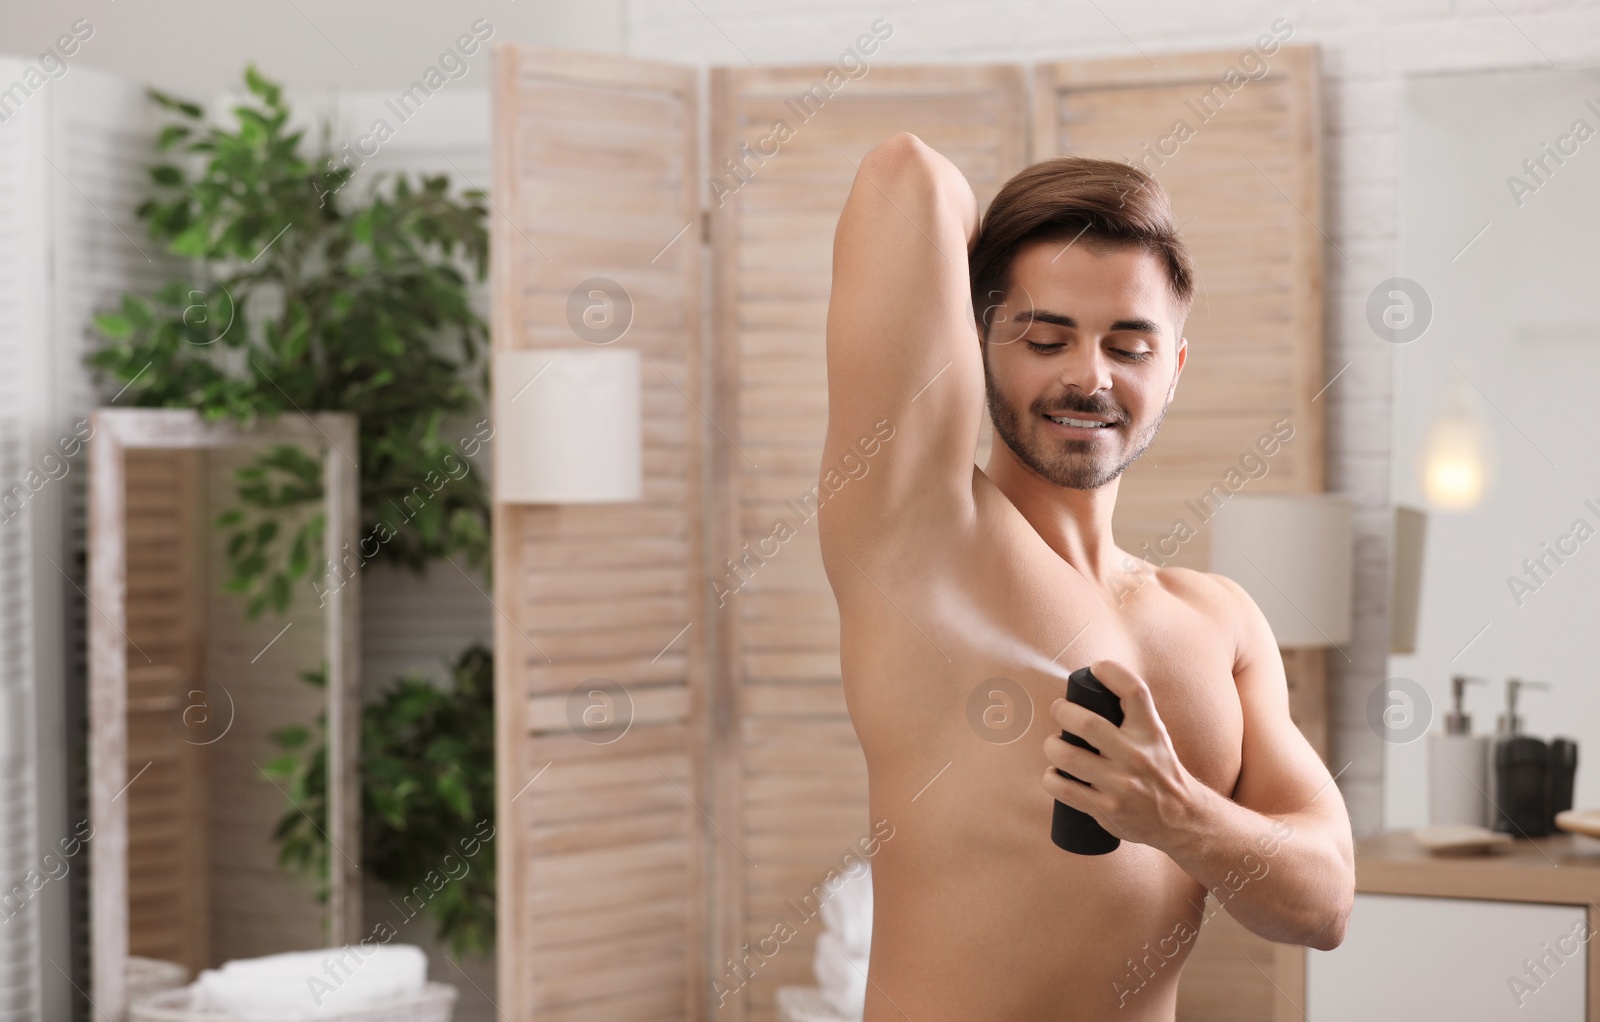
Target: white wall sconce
[(1457, 456), (567, 426), (1292, 553)]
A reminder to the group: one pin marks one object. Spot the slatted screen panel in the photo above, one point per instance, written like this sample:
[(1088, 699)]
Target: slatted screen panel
[(72, 162), (790, 774), (1255, 332), (167, 905), (599, 855), (23, 280), (1249, 157)]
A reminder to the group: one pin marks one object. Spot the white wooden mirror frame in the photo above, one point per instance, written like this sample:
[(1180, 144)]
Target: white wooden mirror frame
[(114, 432)]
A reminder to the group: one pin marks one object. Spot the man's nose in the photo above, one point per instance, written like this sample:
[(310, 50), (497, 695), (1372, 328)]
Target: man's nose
[(1085, 367)]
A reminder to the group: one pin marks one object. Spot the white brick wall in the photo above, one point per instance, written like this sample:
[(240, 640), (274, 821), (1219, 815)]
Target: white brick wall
[(1367, 47)]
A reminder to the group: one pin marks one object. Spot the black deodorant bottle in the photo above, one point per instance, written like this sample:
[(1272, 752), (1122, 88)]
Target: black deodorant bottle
[(1072, 829)]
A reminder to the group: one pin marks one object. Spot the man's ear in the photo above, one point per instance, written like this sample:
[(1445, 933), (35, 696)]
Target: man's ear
[(1182, 357)]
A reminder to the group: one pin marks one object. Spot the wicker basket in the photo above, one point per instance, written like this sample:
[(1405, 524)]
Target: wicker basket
[(805, 1004), (433, 1003)]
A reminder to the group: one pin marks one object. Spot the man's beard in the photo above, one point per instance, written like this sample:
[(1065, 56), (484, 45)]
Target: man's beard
[(1067, 463)]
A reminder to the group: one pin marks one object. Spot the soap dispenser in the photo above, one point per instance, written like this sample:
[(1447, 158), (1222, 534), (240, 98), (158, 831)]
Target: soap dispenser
[(1521, 769), (1458, 765), (1563, 771)]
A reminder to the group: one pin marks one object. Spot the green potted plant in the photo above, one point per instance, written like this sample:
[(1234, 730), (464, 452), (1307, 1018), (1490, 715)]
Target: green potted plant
[(312, 296)]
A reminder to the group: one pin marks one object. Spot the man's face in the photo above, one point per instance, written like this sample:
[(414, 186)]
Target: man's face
[(1083, 334)]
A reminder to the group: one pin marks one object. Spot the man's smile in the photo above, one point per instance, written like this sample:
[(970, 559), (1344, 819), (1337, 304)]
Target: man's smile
[(1078, 425)]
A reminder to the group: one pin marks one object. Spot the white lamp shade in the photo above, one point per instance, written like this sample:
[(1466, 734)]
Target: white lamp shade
[(1292, 554), (566, 426)]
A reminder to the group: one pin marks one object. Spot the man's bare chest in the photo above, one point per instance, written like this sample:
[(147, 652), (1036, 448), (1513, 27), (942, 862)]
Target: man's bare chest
[(980, 648), (1176, 646)]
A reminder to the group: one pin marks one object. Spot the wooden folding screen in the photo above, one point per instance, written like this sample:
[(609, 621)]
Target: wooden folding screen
[(604, 909), (1241, 158), (599, 840), (790, 777)]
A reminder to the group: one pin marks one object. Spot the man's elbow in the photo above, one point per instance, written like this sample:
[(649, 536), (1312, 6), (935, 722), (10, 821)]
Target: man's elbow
[(903, 169), (901, 151), (1334, 919), (1333, 912), (1331, 934)]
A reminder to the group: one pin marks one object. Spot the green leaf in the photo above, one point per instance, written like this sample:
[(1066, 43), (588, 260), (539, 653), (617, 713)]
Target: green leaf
[(257, 605), (300, 553), (137, 310), (455, 794), (281, 768), (114, 326), (193, 241), (292, 850), (170, 134), (292, 736), (174, 104), (260, 86)]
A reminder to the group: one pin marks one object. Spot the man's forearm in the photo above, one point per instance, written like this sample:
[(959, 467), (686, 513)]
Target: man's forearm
[(1288, 878)]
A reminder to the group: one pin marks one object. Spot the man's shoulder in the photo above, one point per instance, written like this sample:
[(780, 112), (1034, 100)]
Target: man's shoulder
[(1217, 597), (1233, 609), (1206, 591)]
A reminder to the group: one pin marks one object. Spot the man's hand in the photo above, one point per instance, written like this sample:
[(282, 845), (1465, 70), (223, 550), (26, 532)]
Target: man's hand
[(1135, 788)]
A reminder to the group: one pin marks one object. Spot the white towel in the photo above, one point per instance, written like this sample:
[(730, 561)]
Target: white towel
[(848, 912), (307, 984), (841, 976), (844, 946)]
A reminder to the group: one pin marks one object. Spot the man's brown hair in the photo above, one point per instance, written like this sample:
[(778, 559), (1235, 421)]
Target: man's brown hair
[(1102, 203)]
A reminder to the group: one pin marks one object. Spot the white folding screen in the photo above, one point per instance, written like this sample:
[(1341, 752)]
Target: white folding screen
[(23, 273), (72, 158)]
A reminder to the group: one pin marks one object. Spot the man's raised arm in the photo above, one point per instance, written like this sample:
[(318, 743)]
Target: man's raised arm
[(902, 344)]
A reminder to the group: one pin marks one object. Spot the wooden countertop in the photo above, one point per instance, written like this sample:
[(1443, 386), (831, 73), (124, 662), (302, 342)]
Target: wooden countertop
[(1559, 868)]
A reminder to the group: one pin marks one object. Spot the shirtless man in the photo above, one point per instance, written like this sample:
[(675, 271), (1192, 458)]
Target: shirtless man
[(966, 597)]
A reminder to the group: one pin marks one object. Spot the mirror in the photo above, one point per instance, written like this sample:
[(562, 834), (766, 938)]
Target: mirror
[(1500, 207), (223, 650)]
